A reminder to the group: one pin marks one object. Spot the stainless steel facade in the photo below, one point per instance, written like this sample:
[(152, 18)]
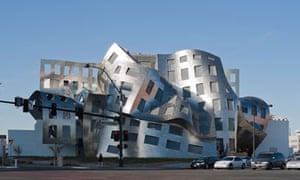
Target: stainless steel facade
[(176, 105)]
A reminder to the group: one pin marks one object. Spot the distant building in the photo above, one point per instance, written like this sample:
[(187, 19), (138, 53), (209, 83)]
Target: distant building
[(294, 142), (277, 139)]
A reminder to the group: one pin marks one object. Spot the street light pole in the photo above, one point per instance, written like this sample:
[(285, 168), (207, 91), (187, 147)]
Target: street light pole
[(253, 138), (120, 120)]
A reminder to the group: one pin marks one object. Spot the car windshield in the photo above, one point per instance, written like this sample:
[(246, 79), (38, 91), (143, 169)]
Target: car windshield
[(296, 158), (265, 156), (228, 158)]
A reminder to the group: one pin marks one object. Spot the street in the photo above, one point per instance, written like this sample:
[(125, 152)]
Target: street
[(145, 174)]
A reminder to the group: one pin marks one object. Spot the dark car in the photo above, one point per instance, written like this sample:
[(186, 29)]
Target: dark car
[(269, 160), (205, 162)]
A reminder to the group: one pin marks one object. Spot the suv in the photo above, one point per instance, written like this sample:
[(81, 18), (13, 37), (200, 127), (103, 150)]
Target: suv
[(204, 162), (268, 160)]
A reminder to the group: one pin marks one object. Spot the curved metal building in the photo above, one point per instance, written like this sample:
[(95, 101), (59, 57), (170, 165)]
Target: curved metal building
[(174, 105)]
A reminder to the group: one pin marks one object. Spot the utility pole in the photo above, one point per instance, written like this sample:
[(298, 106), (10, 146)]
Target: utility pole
[(120, 119)]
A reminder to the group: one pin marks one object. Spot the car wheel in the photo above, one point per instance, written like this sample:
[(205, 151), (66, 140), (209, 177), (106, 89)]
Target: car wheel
[(206, 166), (282, 166), (270, 167), (230, 166), (243, 166)]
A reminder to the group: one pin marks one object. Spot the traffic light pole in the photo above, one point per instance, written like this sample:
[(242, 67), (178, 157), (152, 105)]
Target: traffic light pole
[(120, 120)]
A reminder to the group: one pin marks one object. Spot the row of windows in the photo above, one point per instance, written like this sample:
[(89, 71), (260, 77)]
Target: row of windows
[(213, 85), (154, 140), (53, 134), (198, 71), (219, 124), (184, 58), (217, 105), (263, 111), (172, 129), (69, 70)]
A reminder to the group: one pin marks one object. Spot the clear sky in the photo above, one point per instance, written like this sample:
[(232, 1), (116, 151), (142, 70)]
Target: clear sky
[(259, 37)]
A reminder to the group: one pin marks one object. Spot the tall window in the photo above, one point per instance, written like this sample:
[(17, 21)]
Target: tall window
[(118, 69), (254, 110), (230, 104), (186, 92), (183, 59), (212, 70), (171, 64), (149, 87), (200, 89), (219, 124), (184, 74), (132, 72), (197, 71), (216, 105), (112, 58), (171, 75), (231, 126), (214, 86)]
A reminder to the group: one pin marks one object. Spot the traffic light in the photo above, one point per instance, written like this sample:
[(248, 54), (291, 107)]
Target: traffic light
[(25, 105), (18, 101), (52, 131), (53, 110), (79, 112), (125, 135), (116, 135)]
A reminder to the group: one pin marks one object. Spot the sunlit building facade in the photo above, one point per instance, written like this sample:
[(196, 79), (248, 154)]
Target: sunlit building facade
[(173, 105)]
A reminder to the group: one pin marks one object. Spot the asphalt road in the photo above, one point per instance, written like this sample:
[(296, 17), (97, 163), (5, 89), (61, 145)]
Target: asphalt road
[(149, 174)]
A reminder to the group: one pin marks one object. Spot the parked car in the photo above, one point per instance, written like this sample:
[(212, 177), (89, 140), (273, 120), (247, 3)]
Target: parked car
[(230, 162), (204, 162), (293, 163), (268, 160), (247, 160)]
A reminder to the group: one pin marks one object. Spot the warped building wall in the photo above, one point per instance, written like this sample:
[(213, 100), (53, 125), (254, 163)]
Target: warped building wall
[(174, 105)]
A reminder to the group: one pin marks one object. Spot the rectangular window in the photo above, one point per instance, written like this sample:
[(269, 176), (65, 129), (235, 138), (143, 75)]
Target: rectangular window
[(200, 89), (176, 130), (230, 105), (173, 145), (212, 70), (132, 72), (171, 64), (244, 109), (195, 149), (127, 86), (92, 125), (66, 70), (231, 124), (185, 74), (219, 124), (57, 69), (154, 126), (214, 88), (66, 132), (216, 105), (113, 149), (118, 69), (197, 71), (153, 140), (66, 115), (134, 122), (263, 112), (47, 68), (183, 59), (141, 105), (132, 137), (186, 92), (149, 87), (197, 57), (112, 58), (95, 106), (171, 75)]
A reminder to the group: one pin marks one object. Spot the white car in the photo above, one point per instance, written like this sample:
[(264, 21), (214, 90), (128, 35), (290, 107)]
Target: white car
[(230, 162), (293, 163)]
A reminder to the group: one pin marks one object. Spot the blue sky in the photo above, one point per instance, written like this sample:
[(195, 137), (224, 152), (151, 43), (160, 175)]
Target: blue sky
[(261, 38)]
